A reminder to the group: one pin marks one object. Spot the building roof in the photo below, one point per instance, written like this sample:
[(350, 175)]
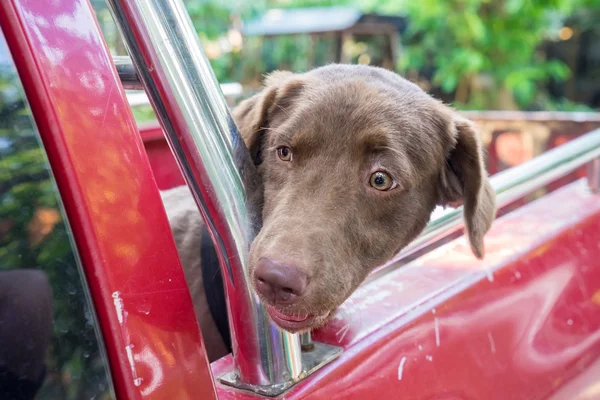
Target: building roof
[(312, 20)]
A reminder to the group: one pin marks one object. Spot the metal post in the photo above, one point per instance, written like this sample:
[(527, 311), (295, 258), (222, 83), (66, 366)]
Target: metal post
[(182, 87), (187, 100), (306, 342), (593, 175), (127, 73)]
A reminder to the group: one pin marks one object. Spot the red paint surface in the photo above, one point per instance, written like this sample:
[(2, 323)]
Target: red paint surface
[(533, 332), (487, 355), (111, 199), (495, 342), (557, 139), (165, 168)]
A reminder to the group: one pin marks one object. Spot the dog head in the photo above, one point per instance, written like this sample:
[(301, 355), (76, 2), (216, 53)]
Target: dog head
[(353, 161)]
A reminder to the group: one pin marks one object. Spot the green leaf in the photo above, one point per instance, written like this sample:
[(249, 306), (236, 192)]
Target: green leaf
[(449, 83)]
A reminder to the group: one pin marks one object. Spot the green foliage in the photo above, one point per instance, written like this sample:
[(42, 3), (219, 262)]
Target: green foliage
[(210, 17), (144, 113), (543, 102), (463, 40), (483, 54)]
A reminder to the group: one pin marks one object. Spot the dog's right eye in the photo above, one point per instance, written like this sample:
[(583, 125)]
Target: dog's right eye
[(381, 181), (284, 153)]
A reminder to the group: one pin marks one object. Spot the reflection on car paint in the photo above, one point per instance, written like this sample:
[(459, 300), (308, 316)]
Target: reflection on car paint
[(49, 345)]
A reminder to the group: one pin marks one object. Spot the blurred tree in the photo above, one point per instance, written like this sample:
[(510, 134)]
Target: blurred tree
[(578, 48), (478, 54), (484, 52)]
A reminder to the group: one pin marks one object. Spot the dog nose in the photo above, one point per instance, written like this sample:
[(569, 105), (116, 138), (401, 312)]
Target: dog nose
[(280, 282)]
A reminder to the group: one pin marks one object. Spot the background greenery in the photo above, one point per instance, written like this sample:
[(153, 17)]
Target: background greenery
[(476, 54)]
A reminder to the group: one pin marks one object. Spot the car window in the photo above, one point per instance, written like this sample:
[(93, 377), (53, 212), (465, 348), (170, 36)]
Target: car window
[(50, 345)]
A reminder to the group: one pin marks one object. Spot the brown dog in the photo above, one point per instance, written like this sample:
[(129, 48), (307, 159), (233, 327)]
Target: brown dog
[(353, 160)]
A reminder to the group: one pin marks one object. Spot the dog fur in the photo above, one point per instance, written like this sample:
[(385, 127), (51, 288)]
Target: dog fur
[(342, 123)]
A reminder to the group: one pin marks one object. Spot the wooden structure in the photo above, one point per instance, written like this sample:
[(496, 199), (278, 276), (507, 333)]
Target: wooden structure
[(342, 23)]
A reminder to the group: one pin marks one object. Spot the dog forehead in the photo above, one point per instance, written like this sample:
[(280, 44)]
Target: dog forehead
[(335, 132), (360, 113), (347, 109)]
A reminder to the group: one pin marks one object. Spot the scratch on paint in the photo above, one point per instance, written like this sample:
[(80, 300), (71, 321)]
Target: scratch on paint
[(106, 106), (137, 381), (489, 274), (437, 332), (118, 302), (342, 331), (492, 343), (401, 368), (122, 318)]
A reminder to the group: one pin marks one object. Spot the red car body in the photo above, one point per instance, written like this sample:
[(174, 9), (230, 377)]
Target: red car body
[(522, 324)]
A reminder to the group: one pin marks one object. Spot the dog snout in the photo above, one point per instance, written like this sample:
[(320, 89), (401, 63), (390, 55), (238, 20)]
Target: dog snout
[(282, 283)]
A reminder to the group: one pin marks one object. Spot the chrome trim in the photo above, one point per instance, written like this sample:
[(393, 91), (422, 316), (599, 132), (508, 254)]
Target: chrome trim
[(593, 175), (319, 355), (235, 89), (510, 185), (182, 87), (185, 94), (127, 73), (137, 97), (306, 341)]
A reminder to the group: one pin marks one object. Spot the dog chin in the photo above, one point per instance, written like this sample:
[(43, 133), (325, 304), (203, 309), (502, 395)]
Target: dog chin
[(296, 323)]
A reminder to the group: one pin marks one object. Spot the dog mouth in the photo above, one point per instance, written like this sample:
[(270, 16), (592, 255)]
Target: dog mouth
[(295, 323)]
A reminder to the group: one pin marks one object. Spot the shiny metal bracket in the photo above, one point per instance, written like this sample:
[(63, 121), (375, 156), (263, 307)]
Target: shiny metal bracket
[(312, 360)]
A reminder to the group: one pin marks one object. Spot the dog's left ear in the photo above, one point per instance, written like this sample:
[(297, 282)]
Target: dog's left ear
[(464, 181), (255, 115)]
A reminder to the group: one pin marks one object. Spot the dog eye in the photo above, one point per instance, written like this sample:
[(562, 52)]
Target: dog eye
[(381, 181), (284, 153)]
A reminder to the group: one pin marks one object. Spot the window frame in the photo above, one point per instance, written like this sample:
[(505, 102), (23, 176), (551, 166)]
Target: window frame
[(142, 301)]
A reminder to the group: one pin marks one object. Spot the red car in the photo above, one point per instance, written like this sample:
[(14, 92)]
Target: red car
[(93, 300)]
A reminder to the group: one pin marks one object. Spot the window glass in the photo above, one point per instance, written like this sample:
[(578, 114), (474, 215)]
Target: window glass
[(50, 346)]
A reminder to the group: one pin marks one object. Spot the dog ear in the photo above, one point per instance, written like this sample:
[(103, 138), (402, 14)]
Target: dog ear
[(254, 115), (464, 181)]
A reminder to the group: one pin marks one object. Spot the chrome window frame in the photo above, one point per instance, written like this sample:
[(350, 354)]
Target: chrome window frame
[(172, 68)]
